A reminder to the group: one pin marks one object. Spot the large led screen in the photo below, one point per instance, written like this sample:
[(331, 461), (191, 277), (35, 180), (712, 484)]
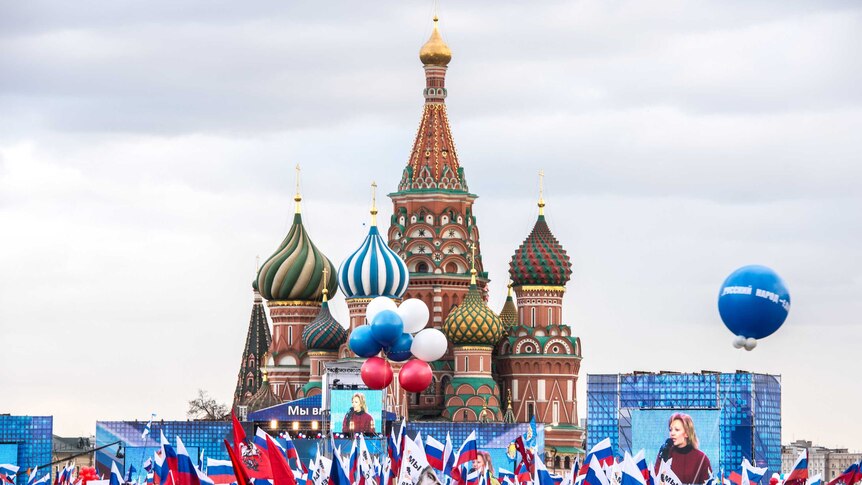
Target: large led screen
[(650, 431), (356, 411)]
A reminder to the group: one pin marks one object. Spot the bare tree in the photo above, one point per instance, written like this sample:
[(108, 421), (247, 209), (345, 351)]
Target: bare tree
[(206, 408)]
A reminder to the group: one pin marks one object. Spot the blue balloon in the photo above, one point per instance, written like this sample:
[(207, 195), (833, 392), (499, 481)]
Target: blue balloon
[(753, 302), (400, 350), (362, 342), (387, 327)]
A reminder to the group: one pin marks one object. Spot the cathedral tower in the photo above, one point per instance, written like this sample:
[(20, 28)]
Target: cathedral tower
[(322, 337), (257, 342), (474, 330), (432, 225), (292, 282), (540, 358)]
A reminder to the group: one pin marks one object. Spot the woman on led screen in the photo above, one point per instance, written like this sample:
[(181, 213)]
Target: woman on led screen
[(357, 419), (485, 465), (689, 464)]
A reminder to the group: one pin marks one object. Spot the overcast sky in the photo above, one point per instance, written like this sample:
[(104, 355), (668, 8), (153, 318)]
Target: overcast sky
[(147, 153)]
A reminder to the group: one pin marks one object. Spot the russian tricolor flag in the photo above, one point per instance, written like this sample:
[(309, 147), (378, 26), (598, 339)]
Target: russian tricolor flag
[(220, 471), (116, 475), (169, 467), (468, 451), (603, 453), (851, 475), (631, 472), (187, 473), (594, 473), (799, 473), (8, 472), (542, 475), (434, 452)]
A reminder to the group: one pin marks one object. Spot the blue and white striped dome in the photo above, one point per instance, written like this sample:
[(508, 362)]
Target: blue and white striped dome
[(373, 270)]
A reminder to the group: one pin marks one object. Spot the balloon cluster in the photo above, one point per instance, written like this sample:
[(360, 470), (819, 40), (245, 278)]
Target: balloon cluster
[(86, 474), (753, 303), (400, 333)]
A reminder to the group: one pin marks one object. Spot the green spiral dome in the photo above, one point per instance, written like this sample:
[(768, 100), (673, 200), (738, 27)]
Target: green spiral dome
[(295, 271)]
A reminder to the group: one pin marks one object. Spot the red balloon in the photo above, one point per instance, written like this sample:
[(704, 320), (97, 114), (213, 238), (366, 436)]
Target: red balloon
[(415, 376), (376, 373)]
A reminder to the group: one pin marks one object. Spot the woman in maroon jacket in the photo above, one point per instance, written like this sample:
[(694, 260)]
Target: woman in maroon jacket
[(358, 420), (689, 464)]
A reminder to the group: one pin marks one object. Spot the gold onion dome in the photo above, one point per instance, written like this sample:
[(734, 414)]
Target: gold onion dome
[(435, 52), (472, 322)]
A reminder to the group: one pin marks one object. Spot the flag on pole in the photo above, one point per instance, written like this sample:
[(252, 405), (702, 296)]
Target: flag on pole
[(814, 480), (448, 456), (242, 477), (187, 473), (281, 472), (220, 471), (631, 472), (31, 478), (542, 476), (116, 476), (170, 458), (799, 473), (468, 450), (851, 475), (412, 464), (594, 474), (337, 474), (146, 431), (434, 451), (602, 451), (750, 473), (320, 470), (8, 472)]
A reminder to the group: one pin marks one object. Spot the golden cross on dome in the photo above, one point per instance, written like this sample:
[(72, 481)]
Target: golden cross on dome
[(373, 203), (325, 281), (541, 192), (297, 198), (473, 264)]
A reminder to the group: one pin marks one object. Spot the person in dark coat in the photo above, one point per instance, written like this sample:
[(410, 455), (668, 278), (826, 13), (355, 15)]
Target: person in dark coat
[(358, 420), (689, 464)]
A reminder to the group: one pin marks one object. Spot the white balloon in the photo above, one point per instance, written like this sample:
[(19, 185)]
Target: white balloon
[(377, 305), (738, 342), (414, 313), (429, 345), (750, 344)]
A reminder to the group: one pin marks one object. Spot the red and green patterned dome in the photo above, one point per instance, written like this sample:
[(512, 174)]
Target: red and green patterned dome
[(541, 259), (324, 332), (472, 322)]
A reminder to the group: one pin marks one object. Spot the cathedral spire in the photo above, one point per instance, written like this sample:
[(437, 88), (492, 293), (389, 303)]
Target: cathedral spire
[(298, 197), (541, 193), (373, 203), (257, 341), (433, 164)]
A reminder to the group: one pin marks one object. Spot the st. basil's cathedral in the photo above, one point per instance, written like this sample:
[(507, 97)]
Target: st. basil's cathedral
[(500, 367)]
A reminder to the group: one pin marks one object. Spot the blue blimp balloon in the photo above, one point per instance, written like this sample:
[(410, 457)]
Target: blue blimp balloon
[(400, 350), (363, 343), (387, 327), (753, 302)]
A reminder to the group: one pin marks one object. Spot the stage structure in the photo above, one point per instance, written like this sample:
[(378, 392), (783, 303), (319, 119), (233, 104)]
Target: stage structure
[(736, 415)]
